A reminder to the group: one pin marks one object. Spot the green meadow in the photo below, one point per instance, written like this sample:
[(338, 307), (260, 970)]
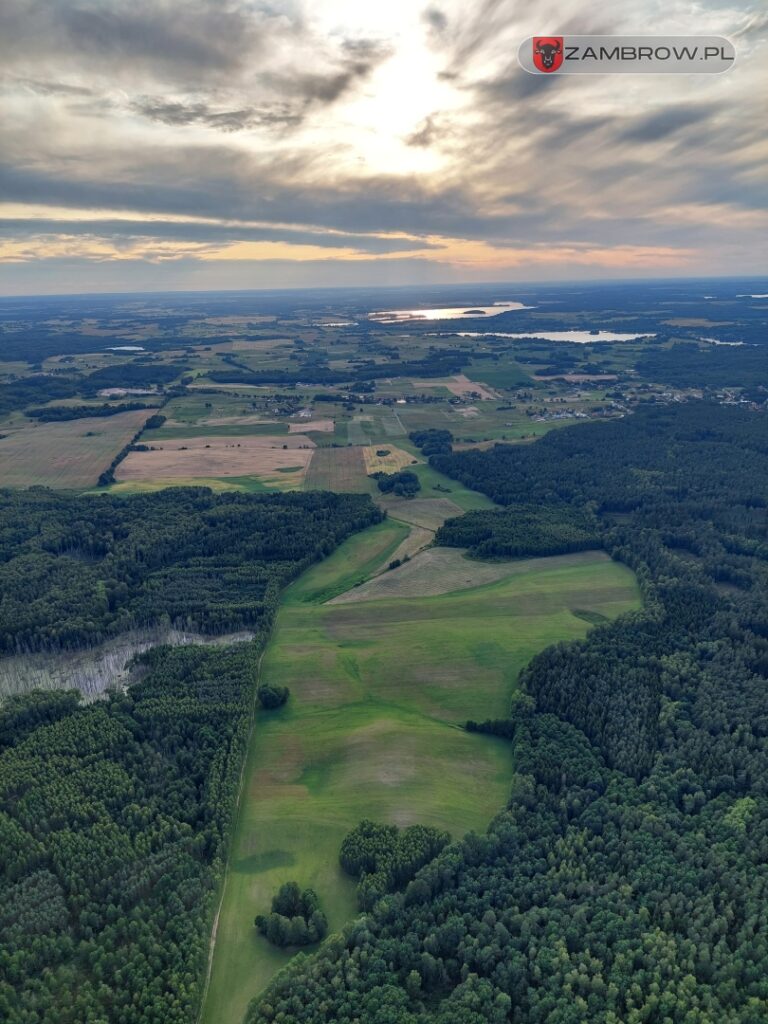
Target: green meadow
[(379, 690)]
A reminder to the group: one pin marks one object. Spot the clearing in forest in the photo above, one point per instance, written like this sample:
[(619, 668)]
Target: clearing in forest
[(378, 690), (445, 570)]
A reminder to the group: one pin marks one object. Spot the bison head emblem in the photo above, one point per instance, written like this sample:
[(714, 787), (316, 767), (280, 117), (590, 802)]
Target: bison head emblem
[(547, 52)]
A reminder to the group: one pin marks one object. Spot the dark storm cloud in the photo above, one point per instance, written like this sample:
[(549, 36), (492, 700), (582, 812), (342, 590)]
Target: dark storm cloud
[(21, 228)]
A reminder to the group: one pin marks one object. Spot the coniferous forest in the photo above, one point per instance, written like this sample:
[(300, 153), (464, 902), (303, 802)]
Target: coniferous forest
[(114, 816), (625, 881)]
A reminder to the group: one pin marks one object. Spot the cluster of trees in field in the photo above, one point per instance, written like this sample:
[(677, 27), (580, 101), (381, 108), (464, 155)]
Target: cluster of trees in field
[(115, 816), (384, 857), (521, 530), (57, 413), (624, 882), (77, 571), (296, 918), (433, 441), (404, 483)]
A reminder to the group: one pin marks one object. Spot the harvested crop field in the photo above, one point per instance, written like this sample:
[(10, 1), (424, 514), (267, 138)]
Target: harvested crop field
[(69, 454), (395, 459), (276, 461), (337, 469), (320, 426)]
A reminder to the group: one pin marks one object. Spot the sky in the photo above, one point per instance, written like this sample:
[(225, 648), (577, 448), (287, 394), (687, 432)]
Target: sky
[(207, 144)]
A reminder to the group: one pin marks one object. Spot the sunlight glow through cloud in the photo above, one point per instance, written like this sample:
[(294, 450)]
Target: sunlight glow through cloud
[(341, 132)]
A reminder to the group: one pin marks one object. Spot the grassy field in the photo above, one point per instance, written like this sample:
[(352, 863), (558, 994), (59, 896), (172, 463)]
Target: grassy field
[(69, 454), (447, 570), (378, 689)]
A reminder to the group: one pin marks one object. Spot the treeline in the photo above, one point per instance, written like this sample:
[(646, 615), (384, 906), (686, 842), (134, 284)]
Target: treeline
[(625, 881), (439, 363), (521, 530), (57, 413), (77, 571), (115, 816), (107, 477)]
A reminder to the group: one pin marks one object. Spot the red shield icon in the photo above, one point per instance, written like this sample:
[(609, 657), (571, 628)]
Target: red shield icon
[(547, 52)]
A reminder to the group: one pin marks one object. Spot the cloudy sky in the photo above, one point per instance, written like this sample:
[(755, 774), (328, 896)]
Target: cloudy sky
[(150, 144)]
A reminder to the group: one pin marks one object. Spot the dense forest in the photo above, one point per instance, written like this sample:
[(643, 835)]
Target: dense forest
[(733, 364), (625, 881), (114, 816), (18, 394), (77, 571), (521, 530)]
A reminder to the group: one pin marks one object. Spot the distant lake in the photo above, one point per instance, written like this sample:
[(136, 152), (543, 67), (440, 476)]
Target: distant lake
[(394, 316), (581, 337)]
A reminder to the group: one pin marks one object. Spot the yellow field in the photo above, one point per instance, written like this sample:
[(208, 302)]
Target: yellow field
[(396, 460)]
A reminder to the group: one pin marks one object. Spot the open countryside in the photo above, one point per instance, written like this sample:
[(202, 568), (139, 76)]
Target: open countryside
[(378, 691)]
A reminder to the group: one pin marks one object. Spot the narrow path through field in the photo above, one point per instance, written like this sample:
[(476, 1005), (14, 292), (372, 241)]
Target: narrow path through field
[(379, 689)]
